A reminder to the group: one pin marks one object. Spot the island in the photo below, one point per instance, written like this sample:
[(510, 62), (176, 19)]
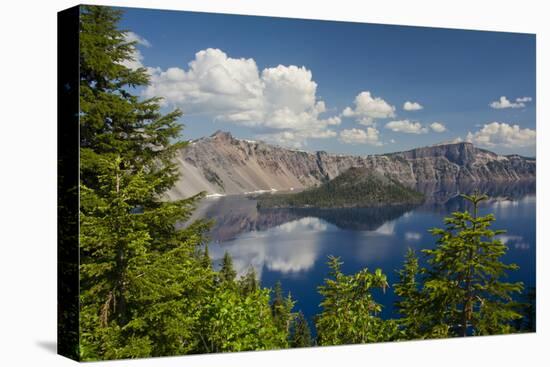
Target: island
[(358, 187)]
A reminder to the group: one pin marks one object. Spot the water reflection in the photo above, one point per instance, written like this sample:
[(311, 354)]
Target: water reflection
[(288, 248)]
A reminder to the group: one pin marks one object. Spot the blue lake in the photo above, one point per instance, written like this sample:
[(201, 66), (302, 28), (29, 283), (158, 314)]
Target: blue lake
[(293, 245)]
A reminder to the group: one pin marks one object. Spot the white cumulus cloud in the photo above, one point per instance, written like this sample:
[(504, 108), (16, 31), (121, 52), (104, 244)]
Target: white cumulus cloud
[(438, 127), (502, 134), (412, 106), (360, 136), (295, 139), (282, 98), (406, 126), (137, 57), (134, 37), (504, 102), (368, 108)]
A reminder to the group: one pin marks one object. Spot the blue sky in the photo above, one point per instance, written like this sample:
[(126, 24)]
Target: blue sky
[(338, 86)]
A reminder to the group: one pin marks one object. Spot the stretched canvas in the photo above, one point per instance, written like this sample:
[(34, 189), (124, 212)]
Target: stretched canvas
[(238, 183)]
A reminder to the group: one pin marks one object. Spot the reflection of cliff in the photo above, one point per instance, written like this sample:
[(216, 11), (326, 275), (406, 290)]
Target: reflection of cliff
[(233, 215), (444, 197)]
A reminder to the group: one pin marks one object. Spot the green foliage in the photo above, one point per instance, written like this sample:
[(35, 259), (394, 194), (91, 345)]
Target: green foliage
[(406, 289), (357, 187), (249, 283), (282, 309), (350, 313), (234, 322), (527, 308), (227, 274), (300, 334)]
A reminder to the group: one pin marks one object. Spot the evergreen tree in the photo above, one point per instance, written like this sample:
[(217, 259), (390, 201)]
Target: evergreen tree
[(407, 289), (205, 259), (301, 334), (463, 284), (227, 274), (134, 263), (281, 307), (350, 313), (249, 283)]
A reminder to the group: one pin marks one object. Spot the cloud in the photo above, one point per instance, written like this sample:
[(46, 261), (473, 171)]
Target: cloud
[(456, 140), (281, 99), (295, 139), (412, 106), (438, 127), (360, 136), (137, 57), (518, 241), (368, 108), (502, 135), (524, 99), (505, 239), (406, 126), (134, 37), (412, 236), (503, 102)]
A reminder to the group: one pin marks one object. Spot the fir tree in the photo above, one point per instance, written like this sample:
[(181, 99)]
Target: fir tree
[(350, 313), (227, 274), (281, 308), (301, 334), (249, 283), (407, 289), (464, 286), (205, 258)]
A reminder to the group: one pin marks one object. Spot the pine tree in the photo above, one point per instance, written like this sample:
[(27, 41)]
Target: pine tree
[(205, 258), (350, 313), (227, 274), (407, 289), (249, 283), (281, 307), (463, 285), (301, 334)]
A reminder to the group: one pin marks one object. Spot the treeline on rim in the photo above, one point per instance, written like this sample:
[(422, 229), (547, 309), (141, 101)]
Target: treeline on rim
[(148, 289)]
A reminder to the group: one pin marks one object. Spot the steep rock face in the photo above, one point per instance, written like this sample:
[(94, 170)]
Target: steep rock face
[(223, 164)]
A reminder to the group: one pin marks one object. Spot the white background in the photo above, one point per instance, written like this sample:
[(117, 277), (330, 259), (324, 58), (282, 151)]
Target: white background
[(28, 181)]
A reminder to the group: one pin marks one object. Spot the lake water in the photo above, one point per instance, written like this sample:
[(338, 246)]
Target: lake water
[(293, 245)]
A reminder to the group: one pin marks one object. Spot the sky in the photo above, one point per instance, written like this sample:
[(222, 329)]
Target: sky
[(342, 87)]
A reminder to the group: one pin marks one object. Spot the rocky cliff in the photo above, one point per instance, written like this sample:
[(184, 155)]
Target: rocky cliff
[(222, 164)]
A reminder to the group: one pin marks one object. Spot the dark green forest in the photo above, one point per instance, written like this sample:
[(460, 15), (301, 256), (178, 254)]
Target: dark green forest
[(149, 289)]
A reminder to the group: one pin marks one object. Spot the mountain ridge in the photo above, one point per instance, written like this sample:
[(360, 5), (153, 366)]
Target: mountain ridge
[(224, 165)]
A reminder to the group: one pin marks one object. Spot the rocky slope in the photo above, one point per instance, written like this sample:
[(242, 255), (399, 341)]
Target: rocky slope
[(222, 164)]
